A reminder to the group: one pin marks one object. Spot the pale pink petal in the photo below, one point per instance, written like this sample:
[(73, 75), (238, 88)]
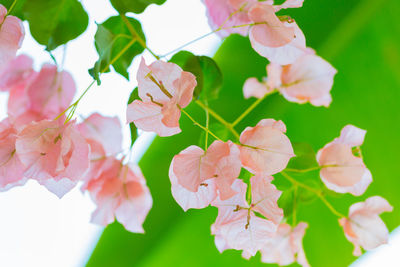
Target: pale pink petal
[(274, 79), (308, 79), (188, 199), (223, 161), (171, 114), (364, 227), (265, 198), (134, 209), (51, 150), (164, 74), (253, 88), (351, 135), (285, 247), (189, 170), (51, 92), (228, 13), (346, 172), (11, 168), (11, 36), (289, 4), (279, 125), (247, 235), (105, 130), (58, 187), (120, 191), (270, 32), (265, 149), (185, 86), (148, 117), (18, 73), (286, 54)]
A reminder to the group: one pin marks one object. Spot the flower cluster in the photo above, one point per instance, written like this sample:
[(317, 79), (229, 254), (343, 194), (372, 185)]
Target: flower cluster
[(236, 174), (38, 142)]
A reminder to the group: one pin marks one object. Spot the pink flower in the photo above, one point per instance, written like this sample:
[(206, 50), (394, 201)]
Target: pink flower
[(11, 36), (289, 4), (18, 73), (51, 92), (308, 79), (54, 154), (164, 88), (228, 13), (364, 227), (104, 130), (286, 54), (253, 88), (265, 148), (285, 247), (237, 226), (11, 168), (197, 178), (347, 172), (279, 42), (104, 136), (46, 95), (120, 192)]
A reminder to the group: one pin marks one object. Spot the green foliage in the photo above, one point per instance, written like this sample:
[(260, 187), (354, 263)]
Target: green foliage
[(208, 75), (135, 6), (134, 131), (54, 23), (118, 40)]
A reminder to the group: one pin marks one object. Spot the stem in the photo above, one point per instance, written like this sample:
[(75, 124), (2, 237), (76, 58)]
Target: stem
[(305, 170), (11, 8), (206, 35), (315, 191), (135, 35), (250, 109), (199, 125), (207, 126), (228, 125), (294, 218)]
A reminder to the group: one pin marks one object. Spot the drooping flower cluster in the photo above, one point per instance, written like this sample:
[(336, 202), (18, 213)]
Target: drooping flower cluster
[(38, 143), (201, 178)]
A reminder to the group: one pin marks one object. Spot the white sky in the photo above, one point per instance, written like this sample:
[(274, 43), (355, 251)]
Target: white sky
[(39, 230)]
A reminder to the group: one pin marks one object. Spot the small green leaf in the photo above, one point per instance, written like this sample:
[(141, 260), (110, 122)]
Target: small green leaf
[(134, 134), (206, 70), (305, 157), (135, 6), (116, 46), (286, 201), (53, 22)]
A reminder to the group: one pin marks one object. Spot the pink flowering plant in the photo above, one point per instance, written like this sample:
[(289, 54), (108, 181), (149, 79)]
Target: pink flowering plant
[(253, 174)]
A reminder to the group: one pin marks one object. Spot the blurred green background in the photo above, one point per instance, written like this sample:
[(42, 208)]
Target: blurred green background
[(361, 39)]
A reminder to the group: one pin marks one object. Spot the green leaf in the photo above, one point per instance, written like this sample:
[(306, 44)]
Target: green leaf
[(286, 201), (117, 46), (55, 22), (135, 6), (17, 9), (305, 157), (206, 70), (134, 133)]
